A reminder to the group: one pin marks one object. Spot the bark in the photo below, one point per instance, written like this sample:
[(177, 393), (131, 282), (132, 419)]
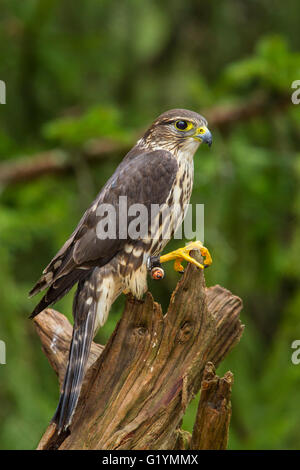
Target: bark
[(214, 411), (139, 385)]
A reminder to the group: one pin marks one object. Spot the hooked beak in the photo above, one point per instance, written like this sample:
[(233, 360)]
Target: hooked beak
[(203, 134)]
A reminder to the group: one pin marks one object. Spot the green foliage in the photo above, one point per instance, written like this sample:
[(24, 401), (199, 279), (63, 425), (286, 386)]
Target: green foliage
[(96, 122), (271, 68), (106, 69)]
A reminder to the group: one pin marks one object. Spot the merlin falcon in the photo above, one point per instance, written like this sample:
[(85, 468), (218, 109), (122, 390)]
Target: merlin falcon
[(158, 171)]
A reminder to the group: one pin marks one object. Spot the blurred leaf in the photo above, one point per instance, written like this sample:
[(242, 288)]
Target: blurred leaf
[(96, 122)]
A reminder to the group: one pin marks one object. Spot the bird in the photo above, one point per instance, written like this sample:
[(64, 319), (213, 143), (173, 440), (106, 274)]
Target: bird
[(157, 172)]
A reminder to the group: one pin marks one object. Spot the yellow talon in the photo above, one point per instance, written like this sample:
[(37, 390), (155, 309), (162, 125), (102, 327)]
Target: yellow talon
[(206, 256), (178, 266), (184, 254)]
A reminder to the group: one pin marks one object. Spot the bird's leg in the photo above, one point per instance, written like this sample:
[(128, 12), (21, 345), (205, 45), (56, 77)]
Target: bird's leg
[(184, 254)]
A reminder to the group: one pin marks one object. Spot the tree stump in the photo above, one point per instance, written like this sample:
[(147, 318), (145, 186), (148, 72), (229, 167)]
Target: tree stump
[(138, 386)]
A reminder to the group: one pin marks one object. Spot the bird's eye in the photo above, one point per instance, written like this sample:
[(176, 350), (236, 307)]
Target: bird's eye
[(182, 125)]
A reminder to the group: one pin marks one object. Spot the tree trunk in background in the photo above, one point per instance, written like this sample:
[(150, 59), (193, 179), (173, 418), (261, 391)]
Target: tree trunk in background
[(138, 386)]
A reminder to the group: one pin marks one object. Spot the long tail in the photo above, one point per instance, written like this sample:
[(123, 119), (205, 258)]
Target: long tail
[(59, 288), (84, 312)]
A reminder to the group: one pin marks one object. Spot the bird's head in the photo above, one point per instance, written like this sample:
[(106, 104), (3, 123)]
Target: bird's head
[(178, 129)]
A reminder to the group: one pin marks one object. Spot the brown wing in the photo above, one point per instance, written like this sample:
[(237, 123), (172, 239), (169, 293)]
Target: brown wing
[(145, 178)]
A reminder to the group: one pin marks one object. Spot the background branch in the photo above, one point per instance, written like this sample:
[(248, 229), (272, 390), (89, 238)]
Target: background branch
[(59, 161)]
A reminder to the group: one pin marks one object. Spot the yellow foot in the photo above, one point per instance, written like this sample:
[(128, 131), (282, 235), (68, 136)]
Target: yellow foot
[(184, 254)]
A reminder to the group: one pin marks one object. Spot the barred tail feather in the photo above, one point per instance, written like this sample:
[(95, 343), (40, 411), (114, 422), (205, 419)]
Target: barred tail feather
[(84, 311)]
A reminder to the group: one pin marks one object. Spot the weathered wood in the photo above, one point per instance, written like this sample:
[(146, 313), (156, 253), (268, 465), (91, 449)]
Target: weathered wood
[(137, 390), (214, 411), (55, 332)]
